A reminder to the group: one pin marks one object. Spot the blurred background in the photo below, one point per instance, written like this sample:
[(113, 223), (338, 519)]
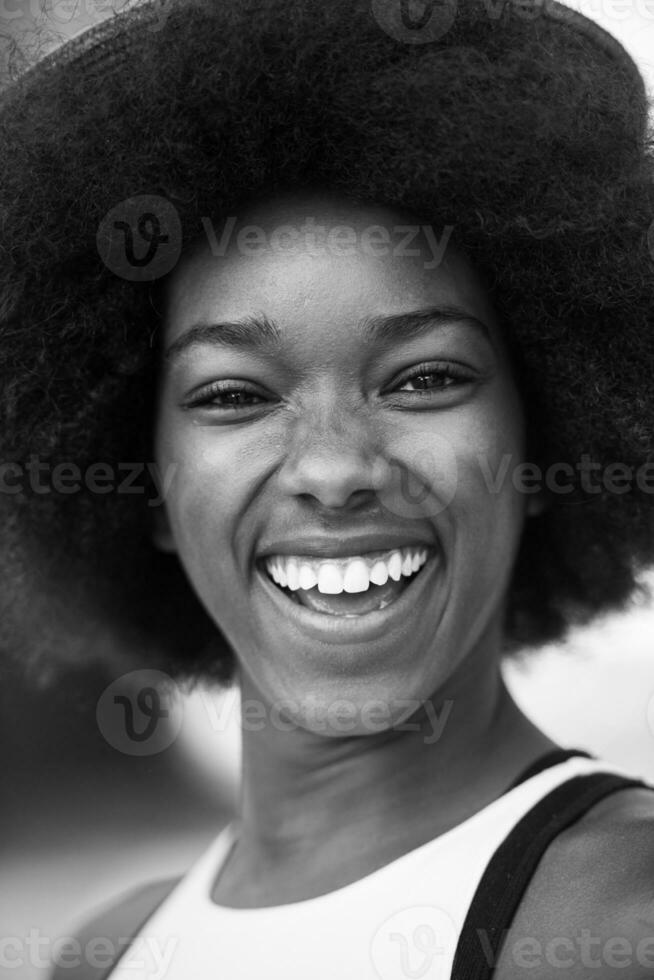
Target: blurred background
[(83, 819)]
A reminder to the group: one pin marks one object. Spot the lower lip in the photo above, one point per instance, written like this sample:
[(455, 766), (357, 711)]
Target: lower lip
[(355, 629)]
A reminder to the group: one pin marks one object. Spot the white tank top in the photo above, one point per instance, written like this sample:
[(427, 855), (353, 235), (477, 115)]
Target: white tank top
[(400, 922)]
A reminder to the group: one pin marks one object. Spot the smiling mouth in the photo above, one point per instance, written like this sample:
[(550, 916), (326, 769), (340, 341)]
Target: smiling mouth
[(352, 586)]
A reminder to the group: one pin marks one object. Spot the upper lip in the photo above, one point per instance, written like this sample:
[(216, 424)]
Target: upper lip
[(343, 545)]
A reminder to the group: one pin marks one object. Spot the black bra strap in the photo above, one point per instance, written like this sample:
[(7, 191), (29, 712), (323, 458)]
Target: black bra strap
[(511, 867), (551, 758)]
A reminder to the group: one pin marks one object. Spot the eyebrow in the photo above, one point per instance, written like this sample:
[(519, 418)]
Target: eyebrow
[(254, 333), (258, 333), (395, 327)]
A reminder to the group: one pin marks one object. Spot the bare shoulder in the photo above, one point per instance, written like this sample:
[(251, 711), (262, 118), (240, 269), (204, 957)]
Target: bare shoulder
[(589, 908), (113, 926)]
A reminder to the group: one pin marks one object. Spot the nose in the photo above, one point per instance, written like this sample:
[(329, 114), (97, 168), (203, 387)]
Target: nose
[(333, 458)]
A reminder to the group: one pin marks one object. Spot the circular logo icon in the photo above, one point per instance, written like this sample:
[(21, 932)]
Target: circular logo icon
[(141, 238), (422, 483), (414, 943), (140, 713), (415, 21)]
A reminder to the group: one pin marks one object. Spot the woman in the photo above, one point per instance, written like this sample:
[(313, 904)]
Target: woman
[(376, 305)]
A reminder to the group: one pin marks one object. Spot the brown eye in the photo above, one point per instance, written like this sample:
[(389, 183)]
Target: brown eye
[(235, 399), (433, 377), (226, 396)]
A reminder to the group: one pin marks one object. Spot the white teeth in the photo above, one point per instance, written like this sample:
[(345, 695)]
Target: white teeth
[(330, 579), (379, 573), (293, 574), (308, 578), (395, 566), (354, 574), (356, 578)]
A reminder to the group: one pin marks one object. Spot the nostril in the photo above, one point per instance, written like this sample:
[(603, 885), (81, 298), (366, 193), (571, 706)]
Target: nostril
[(325, 501), (335, 478)]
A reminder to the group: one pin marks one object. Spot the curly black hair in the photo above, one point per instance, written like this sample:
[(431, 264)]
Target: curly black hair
[(530, 140)]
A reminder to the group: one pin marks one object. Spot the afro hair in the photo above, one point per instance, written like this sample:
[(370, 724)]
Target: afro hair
[(529, 138)]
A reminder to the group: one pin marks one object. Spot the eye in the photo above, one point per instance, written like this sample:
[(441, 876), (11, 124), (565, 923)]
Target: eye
[(427, 379), (226, 396)]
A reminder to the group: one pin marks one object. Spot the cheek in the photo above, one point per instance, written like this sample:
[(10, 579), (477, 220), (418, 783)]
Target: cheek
[(211, 486), (458, 469), (492, 509), (417, 476), (456, 460)]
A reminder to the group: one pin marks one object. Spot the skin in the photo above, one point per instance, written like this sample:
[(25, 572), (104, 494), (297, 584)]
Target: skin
[(590, 904), (327, 795)]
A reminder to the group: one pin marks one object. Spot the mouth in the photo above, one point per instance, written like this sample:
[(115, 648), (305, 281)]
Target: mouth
[(352, 587)]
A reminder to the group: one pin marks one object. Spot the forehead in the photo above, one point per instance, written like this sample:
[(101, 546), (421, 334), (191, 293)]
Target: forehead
[(295, 254)]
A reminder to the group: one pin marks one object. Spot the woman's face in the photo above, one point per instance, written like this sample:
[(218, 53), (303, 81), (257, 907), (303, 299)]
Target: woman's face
[(336, 404)]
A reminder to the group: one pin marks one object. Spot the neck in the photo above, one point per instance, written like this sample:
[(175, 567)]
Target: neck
[(454, 755)]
